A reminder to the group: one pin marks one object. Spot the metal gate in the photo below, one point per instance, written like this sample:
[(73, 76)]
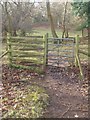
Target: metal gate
[(60, 51)]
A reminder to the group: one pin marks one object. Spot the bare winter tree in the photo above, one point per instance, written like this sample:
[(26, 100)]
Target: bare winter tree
[(51, 19)]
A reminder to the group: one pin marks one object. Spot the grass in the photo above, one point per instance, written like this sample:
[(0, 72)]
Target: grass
[(43, 31), (29, 102)]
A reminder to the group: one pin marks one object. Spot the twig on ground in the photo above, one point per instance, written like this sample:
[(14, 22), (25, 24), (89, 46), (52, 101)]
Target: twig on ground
[(65, 111)]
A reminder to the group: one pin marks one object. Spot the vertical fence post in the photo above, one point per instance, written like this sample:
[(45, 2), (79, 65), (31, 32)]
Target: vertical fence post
[(77, 59), (76, 50), (46, 49), (9, 51), (58, 56), (73, 51)]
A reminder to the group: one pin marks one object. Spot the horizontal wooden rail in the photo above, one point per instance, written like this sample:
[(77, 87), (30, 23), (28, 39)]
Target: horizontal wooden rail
[(3, 54), (61, 38), (30, 42), (85, 53), (58, 45), (24, 38)]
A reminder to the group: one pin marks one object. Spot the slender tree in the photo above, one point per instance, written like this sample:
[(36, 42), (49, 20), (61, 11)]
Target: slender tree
[(65, 31), (51, 19)]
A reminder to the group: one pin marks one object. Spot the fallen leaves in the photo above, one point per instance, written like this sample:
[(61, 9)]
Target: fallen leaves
[(20, 98), (27, 103)]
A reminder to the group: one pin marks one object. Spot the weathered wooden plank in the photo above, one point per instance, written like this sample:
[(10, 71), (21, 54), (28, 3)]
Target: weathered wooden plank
[(49, 55), (61, 45), (32, 41), (27, 53), (67, 56), (37, 56), (21, 44), (29, 59), (61, 59), (61, 39), (64, 55), (25, 38), (3, 54), (34, 49), (52, 50), (61, 50), (63, 62), (85, 53), (26, 60), (29, 63), (27, 48), (52, 59), (38, 70)]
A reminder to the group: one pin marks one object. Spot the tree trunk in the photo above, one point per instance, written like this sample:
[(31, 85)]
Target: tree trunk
[(14, 33), (4, 35), (66, 34), (51, 20), (63, 31), (23, 33), (64, 20), (9, 20)]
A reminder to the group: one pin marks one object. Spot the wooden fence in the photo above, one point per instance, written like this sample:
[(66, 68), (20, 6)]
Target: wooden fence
[(32, 52), (27, 52)]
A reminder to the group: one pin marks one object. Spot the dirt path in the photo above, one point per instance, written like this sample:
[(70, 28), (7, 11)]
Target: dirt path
[(68, 98)]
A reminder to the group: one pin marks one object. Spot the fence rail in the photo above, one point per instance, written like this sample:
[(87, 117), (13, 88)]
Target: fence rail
[(5, 53)]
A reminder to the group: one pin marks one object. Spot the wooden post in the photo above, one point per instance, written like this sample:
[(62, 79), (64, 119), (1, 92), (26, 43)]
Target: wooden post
[(77, 59), (73, 48), (58, 42), (76, 50), (9, 51), (46, 49)]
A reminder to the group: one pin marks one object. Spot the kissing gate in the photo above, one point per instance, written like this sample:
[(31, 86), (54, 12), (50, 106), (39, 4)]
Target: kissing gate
[(35, 52), (60, 51)]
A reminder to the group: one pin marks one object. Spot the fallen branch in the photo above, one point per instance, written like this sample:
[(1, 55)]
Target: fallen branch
[(3, 54)]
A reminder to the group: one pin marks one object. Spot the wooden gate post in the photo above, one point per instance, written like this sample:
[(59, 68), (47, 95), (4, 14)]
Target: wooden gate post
[(9, 51), (77, 59), (76, 50), (46, 49)]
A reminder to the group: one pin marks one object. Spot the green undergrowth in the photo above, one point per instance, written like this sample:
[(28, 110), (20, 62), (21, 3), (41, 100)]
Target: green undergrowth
[(30, 102)]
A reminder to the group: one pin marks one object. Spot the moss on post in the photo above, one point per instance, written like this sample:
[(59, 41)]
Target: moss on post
[(46, 49), (9, 51), (76, 50), (77, 59)]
